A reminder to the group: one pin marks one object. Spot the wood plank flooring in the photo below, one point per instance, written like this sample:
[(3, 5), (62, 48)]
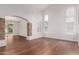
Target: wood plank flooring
[(41, 46)]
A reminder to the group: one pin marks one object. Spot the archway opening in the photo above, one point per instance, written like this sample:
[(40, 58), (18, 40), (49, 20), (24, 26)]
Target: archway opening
[(17, 28)]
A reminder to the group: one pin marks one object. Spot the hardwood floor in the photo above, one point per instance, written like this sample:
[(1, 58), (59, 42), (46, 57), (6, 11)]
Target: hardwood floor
[(41, 46)]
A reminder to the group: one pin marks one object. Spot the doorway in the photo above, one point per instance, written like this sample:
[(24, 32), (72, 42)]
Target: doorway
[(17, 28), (9, 29)]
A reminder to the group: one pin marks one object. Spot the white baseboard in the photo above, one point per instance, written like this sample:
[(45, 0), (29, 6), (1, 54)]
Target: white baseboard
[(33, 37), (62, 37)]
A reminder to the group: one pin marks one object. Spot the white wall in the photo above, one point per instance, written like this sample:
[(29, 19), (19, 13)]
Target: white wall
[(56, 19), (22, 28), (56, 23), (77, 34), (29, 12), (16, 27), (35, 19)]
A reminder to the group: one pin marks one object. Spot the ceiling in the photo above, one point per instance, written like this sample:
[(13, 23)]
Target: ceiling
[(30, 7), (21, 9)]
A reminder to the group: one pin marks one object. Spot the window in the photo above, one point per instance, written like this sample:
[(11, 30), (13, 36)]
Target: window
[(45, 22), (46, 17), (70, 20), (70, 13)]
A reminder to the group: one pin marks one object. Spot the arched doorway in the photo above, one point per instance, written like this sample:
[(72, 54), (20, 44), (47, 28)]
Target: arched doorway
[(17, 28)]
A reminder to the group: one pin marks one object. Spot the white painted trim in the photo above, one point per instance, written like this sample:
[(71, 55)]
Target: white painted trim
[(33, 37), (62, 37)]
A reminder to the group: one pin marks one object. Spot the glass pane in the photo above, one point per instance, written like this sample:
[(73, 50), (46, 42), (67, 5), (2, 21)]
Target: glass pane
[(71, 19), (46, 26), (45, 17), (70, 28), (70, 11)]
